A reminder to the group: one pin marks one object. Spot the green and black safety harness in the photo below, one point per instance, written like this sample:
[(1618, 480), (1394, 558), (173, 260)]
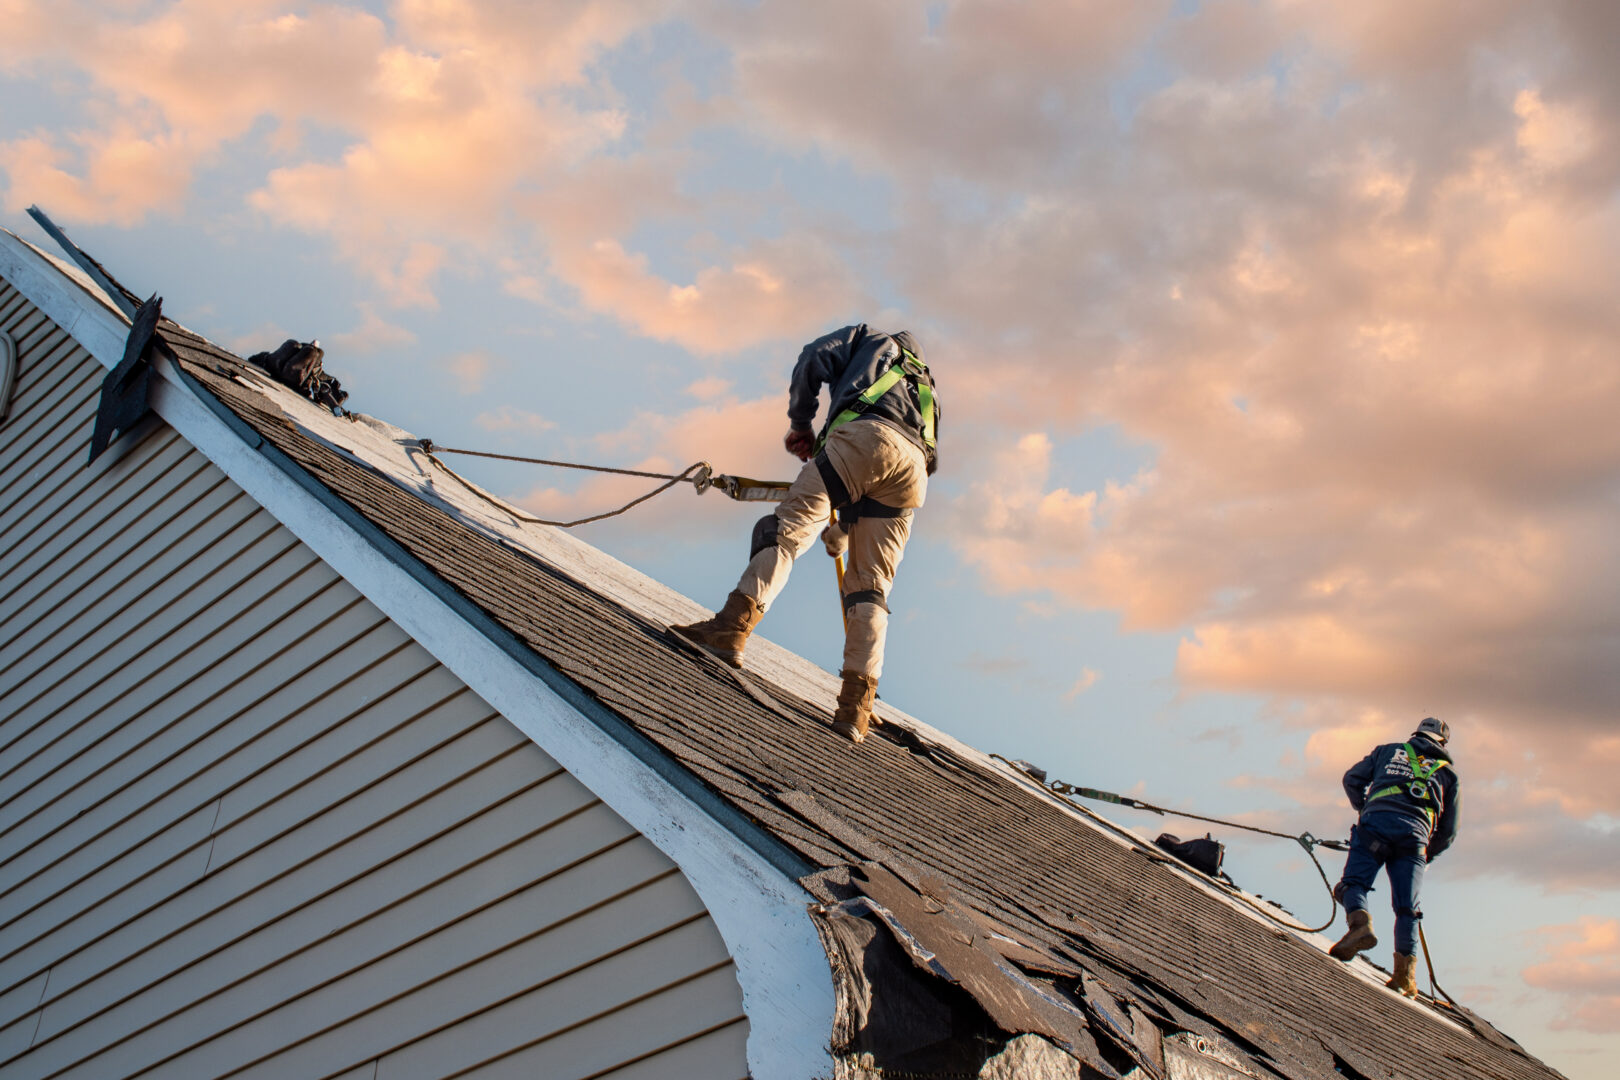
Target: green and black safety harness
[(908, 366)]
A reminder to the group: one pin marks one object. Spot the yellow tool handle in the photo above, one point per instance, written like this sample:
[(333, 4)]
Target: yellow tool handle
[(838, 565)]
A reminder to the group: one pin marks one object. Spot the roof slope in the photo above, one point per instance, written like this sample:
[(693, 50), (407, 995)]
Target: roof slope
[(949, 822)]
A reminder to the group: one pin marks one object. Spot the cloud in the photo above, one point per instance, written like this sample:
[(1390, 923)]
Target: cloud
[(122, 174), (709, 387), (771, 290), (974, 88), (1088, 678), (469, 369), (1348, 274), (508, 418), (373, 333), (1582, 965), (462, 127)]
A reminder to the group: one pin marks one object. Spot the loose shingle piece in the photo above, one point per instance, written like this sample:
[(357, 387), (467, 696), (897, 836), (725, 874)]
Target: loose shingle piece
[(976, 924)]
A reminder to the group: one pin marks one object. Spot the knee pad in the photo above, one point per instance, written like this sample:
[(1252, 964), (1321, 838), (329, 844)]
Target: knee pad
[(764, 536), (865, 596)]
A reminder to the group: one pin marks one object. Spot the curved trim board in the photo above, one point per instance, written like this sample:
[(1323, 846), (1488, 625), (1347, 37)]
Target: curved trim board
[(8, 373), (760, 911)]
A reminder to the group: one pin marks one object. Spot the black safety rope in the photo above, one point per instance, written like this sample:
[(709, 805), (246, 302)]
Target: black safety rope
[(698, 474), (1304, 840)]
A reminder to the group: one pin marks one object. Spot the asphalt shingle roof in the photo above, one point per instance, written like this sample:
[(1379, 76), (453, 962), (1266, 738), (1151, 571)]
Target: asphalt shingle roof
[(1079, 898)]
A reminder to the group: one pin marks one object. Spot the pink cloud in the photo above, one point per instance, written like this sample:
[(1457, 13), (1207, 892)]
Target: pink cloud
[(121, 176), (372, 333), (1582, 965), (776, 289)]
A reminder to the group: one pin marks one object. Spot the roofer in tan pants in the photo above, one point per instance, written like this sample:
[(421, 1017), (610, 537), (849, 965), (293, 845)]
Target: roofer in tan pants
[(874, 459)]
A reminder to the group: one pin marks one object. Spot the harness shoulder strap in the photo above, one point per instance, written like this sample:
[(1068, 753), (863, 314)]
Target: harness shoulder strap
[(908, 366)]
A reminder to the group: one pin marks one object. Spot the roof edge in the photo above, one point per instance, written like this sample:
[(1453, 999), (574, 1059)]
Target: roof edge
[(746, 878)]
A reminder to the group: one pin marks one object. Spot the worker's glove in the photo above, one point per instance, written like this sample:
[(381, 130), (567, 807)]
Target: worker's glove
[(836, 539), (800, 442)]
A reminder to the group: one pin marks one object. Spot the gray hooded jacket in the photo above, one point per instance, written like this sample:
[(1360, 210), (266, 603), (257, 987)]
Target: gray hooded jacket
[(849, 361)]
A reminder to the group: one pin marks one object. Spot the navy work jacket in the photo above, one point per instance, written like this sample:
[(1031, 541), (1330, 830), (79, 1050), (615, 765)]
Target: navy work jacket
[(1386, 766)]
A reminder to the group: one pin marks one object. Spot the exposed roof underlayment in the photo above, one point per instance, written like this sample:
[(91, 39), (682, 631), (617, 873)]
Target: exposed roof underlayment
[(976, 924)]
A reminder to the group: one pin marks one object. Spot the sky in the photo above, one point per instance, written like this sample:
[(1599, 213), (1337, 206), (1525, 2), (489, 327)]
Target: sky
[(1276, 344)]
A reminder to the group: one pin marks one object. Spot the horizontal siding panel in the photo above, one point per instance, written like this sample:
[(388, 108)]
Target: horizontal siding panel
[(45, 353), (175, 678), (38, 341), (49, 362), (248, 826), (18, 1035), (56, 490), (63, 373), (413, 739), (434, 688), (72, 515), (45, 356), (538, 834), (160, 767), (86, 497), (331, 978), (283, 887), (636, 1033), (59, 768), (51, 899), (491, 854), (488, 747), (268, 677), (321, 1032), (133, 613), (186, 671), (573, 990), (38, 455), (703, 1058), (67, 588), (23, 998), (340, 847)]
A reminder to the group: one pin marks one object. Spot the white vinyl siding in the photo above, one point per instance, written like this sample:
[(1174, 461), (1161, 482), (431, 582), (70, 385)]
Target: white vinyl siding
[(248, 827)]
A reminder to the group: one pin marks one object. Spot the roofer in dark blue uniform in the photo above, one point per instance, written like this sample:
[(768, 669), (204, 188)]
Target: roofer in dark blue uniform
[(871, 463), (1408, 796)]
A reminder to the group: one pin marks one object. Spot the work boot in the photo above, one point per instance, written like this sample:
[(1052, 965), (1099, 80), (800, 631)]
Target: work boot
[(854, 716), (725, 633), (1359, 938), (1403, 980)]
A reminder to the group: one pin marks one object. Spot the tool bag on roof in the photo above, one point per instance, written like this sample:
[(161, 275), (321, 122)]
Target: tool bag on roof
[(298, 365), (1203, 854)]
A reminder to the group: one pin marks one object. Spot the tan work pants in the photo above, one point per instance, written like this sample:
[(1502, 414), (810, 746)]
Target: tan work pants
[(874, 461)]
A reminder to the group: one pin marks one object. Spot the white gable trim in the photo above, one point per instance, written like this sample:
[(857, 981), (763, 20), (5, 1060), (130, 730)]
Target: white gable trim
[(760, 911)]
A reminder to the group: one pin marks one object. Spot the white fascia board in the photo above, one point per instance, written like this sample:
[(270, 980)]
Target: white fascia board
[(761, 913)]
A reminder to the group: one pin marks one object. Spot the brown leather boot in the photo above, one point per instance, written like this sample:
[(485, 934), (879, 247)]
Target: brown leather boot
[(1404, 981), (726, 632), (854, 716), (1358, 939)]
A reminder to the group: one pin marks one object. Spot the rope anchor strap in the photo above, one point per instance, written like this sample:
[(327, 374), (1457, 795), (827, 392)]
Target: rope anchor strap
[(700, 475)]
